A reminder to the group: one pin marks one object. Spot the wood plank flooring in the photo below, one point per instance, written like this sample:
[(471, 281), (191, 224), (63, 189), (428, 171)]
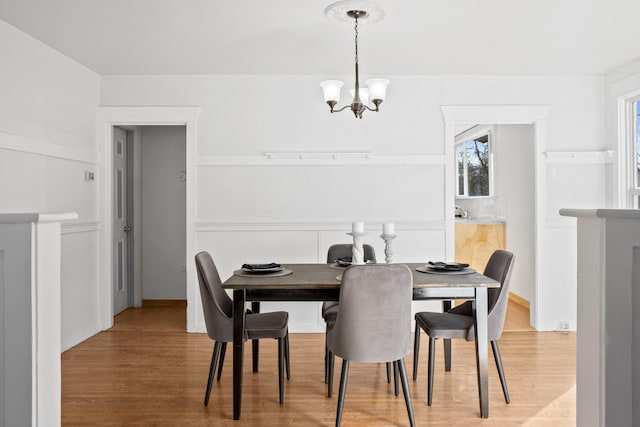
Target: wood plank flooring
[(517, 317), (146, 371)]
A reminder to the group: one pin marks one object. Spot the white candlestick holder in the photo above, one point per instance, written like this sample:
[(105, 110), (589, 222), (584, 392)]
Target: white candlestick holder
[(388, 248), (357, 253)]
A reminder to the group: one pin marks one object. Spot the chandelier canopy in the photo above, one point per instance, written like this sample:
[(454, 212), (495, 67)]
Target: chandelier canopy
[(356, 12)]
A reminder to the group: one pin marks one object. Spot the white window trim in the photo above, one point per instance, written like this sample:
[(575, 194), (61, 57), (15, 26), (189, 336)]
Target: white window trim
[(627, 140), (634, 186)]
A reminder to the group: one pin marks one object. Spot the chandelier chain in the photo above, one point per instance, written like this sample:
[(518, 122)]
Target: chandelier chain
[(356, 37)]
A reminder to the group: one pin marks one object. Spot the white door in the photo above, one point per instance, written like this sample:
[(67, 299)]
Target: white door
[(120, 226)]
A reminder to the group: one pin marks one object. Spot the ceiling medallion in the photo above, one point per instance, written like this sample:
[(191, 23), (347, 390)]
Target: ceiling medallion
[(340, 11)]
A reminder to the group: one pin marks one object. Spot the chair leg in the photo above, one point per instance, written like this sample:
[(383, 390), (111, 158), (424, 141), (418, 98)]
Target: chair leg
[(280, 368), (405, 391), (446, 306), (326, 356), (447, 354), (254, 354), (331, 362), (255, 308), (388, 372), (432, 351), (416, 351), (503, 381), (395, 379), (212, 370), (343, 390), (286, 355), (223, 351), (326, 361)]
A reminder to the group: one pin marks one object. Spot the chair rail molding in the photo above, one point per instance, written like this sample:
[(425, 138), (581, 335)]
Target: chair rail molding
[(44, 147), (214, 225), (72, 227), (580, 157), (299, 158)]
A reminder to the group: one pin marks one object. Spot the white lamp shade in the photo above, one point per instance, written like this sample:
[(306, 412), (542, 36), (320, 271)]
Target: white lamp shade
[(364, 95), (331, 90), (377, 88)]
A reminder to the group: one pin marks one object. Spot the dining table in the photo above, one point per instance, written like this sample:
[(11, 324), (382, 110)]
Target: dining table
[(321, 282)]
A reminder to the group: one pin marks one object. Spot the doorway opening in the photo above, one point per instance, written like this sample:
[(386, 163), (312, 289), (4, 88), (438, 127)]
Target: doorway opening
[(494, 205), (149, 217), (163, 118), (458, 118)]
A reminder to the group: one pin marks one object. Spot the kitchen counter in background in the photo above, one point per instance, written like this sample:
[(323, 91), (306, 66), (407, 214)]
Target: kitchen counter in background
[(477, 239)]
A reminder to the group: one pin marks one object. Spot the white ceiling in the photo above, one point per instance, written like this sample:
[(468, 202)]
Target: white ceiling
[(503, 37)]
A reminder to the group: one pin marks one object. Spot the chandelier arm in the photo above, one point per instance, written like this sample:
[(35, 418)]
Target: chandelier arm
[(371, 109), (341, 109)]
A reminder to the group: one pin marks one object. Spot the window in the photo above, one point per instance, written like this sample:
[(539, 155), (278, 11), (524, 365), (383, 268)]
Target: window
[(473, 167)]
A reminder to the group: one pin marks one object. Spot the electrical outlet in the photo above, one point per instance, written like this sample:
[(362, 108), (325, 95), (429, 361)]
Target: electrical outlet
[(183, 268), (564, 325)]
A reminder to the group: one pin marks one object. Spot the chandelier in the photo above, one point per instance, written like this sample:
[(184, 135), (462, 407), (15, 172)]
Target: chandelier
[(355, 11)]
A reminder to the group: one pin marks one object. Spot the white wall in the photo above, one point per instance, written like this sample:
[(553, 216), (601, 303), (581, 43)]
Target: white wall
[(47, 141), (312, 201), (163, 234), (515, 181)]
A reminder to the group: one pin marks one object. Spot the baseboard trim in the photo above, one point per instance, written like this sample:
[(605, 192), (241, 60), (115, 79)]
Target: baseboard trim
[(150, 303), (519, 300)]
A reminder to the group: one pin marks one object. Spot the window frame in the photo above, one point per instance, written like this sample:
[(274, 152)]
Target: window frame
[(462, 139), (628, 144), (633, 198)]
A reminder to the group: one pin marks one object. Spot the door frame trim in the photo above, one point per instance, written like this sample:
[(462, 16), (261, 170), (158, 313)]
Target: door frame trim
[(535, 115), (107, 118)]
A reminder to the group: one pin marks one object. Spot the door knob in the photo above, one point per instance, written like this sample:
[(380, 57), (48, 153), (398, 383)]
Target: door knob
[(126, 229)]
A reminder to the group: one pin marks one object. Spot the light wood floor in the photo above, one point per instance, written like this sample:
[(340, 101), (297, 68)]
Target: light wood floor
[(146, 371), (517, 318)]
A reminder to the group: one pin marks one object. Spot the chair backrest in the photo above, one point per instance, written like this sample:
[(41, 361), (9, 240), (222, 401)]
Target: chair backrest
[(499, 268), (374, 315), (216, 304), (344, 250)]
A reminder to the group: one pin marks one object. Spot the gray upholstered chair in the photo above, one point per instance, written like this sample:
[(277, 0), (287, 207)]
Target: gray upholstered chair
[(218, 317), (373, 322), (457, 323), (335, 252), (330, 308)]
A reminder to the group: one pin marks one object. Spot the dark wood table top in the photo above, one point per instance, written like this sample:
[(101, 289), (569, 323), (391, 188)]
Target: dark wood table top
[(322, 276)]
